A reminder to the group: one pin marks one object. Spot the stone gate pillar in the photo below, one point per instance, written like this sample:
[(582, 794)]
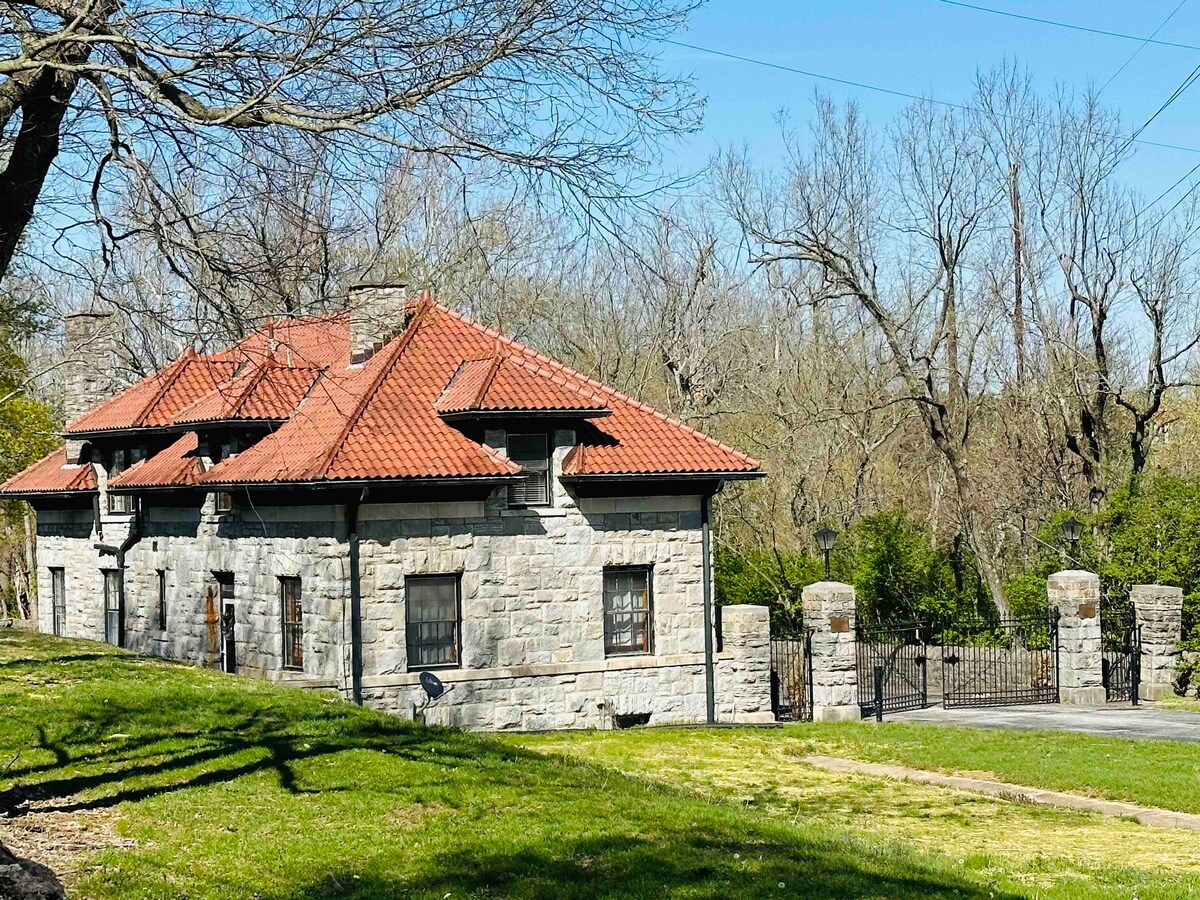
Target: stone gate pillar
[(829, 611), (1077, 596), (743, 667), (1159, 610)]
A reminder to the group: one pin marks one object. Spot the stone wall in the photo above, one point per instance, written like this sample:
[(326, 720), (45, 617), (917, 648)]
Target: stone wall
[(531, 602)]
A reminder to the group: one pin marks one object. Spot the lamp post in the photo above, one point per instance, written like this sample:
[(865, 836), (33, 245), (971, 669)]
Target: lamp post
[(826, 538), (1072, 531)]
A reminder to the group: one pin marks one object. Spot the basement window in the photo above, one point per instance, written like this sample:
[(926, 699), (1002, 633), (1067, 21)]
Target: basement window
[(432, 616)]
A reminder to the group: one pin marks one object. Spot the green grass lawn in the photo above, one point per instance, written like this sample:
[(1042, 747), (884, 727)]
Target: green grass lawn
[(142, 779)]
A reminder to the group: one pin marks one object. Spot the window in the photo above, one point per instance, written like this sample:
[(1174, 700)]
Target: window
[(225, 582), (112, 606), (58, 594), (431, 610), (224, 501), (627, 609), (118, 503), (162, 599), (293, 623), (532, 453)]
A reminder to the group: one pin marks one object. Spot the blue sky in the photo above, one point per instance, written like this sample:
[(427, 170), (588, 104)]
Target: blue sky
[(933, 48)]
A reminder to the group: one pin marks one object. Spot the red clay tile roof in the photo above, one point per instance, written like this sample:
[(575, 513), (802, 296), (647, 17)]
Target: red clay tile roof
[(154, 401), (504, 383), (384, 419), (259, 392), (51, 474), (178, 464)]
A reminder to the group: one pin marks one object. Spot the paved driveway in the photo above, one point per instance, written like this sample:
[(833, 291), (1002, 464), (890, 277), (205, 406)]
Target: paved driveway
[(1123, 721)]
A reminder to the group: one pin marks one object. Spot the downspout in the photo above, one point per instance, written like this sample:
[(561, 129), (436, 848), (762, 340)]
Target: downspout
[(356, 662), (706, 544), (135, 535)]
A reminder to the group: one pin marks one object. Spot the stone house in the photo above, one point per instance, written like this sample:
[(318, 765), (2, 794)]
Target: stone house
[(346, 501)]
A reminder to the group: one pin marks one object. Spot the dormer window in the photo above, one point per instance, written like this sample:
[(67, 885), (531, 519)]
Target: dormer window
[(119, 503), (532, 453)]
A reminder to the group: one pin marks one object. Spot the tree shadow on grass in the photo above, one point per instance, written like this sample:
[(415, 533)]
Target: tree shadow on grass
[(703, 863)]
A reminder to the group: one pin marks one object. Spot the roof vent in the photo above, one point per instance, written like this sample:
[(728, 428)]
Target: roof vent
[(378, 312)]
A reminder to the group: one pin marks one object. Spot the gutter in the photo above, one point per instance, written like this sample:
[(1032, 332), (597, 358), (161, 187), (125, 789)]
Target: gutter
[(356, 660), (706, 543)]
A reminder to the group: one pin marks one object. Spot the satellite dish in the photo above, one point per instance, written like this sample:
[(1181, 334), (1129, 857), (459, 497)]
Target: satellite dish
[(432, 684)]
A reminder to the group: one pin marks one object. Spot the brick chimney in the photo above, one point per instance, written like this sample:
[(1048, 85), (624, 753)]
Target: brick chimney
[(378, 312), (89, 364)]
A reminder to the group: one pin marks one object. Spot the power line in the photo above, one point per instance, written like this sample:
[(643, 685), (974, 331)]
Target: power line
[(1070, 25), (896, 93), (1141, 47)]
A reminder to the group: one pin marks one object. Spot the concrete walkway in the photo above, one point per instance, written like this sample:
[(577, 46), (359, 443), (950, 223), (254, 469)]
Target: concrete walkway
[(1114, 720), (1147, 815)]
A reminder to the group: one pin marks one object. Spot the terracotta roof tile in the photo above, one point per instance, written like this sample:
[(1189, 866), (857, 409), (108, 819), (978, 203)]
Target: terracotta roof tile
[(51, 474), (505, 383), (383, 421), (154, 401), (178, 464), (269, 392)]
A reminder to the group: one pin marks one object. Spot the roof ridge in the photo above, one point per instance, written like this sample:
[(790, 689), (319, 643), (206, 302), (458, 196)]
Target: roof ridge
[(393, 357), (599, 386), (488, 381)]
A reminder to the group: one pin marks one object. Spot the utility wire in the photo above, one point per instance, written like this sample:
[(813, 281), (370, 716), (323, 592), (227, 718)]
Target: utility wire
[(1141, 47), (895, 93), (1071, 26)]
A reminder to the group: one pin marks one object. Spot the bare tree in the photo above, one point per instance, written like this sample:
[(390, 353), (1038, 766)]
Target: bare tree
[(891, 233), (136, 91)]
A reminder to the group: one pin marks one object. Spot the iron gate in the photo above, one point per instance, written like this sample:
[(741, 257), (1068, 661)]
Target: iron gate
[(791, 677), (1000, 663), (1121, 652), (892, 671)]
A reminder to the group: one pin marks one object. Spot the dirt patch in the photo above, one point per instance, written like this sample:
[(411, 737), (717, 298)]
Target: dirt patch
[(61, 840)]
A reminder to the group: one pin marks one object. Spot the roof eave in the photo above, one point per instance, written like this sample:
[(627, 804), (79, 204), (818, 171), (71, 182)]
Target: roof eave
[(734, 475), (467, 414), (359, 482), (64, 492)]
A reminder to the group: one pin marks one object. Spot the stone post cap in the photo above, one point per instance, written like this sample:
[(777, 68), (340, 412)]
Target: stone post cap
[(828, 587), (1074, 575), (744, 618), (1157, 590)]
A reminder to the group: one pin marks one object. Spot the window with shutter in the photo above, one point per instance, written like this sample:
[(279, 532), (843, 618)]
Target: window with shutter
[(532, 453)]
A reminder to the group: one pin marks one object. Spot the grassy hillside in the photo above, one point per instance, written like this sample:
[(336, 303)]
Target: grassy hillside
[(143, 779)]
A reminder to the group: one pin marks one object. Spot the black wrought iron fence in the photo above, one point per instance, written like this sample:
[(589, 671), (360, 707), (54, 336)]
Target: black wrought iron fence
[(892, 667), (791, 676), (1121, 649), (1001, 662)]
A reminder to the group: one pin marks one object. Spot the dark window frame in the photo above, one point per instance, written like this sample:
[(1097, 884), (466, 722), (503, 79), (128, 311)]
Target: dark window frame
[(541, 471), (113, 603), (621, 649), (414, 647), (162, 599), (223, 501), (58, 600), (291, 631), (119, 503)]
